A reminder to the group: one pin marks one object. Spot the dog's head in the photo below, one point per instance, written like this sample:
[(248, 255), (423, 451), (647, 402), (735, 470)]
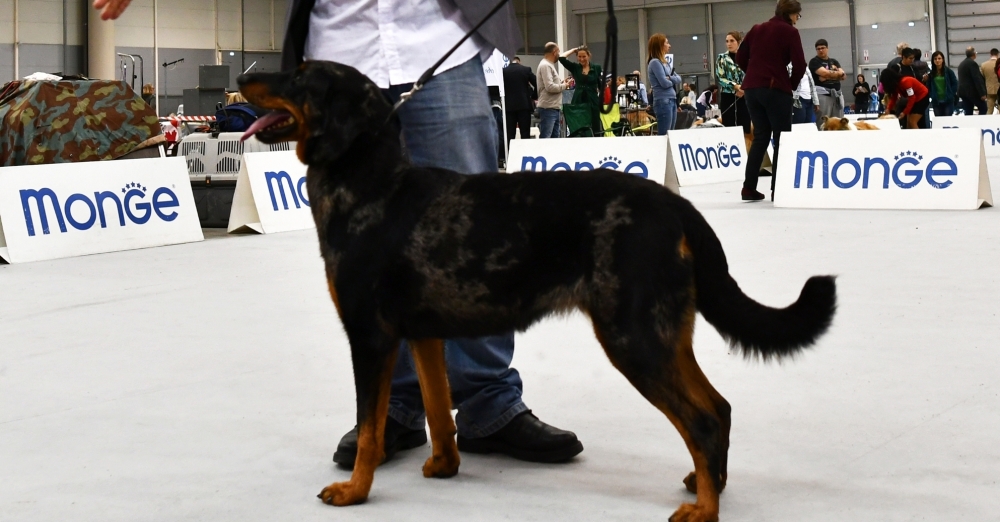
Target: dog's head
[(832, 123), (324, 106)]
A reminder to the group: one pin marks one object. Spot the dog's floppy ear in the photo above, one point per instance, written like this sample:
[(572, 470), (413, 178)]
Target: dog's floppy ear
[(845, 124), (824, 120), (340, 116)]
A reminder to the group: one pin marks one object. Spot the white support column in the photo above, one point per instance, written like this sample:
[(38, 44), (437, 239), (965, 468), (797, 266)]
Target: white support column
[(156, 60), (710, 18), (561, 21), (643, 41), (100, 46), (930, 17)]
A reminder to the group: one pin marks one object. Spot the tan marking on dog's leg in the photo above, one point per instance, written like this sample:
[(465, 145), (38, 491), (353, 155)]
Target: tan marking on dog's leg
[(428, 355), (371, 448), (677, 393), (333, 295)]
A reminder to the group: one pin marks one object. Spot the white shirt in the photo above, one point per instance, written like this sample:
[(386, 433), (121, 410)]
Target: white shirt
[(391, 41)]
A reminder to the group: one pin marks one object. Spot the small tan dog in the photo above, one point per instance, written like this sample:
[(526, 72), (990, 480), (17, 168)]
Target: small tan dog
[(836, 124)]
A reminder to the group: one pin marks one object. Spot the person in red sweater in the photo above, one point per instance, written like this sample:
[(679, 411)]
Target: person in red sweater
[(909, 91), (765, 53)]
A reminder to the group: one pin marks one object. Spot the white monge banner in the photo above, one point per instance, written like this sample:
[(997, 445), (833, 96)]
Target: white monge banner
[(75, 209), (644, 156), (493, 69), (700, 156), (271, 194), (804, 127), (988, 125), (915, 169)]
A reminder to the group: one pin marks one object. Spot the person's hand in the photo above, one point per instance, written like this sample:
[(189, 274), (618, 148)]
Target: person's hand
[(112, 9), (817, 110)]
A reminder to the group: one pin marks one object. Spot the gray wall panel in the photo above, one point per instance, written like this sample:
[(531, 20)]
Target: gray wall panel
[(881, 43), (40, 58), (237, 62), (6, 63), (183, 75)]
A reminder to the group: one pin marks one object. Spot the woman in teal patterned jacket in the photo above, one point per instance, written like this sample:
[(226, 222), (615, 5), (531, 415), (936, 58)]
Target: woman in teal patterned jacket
[(730, 79)]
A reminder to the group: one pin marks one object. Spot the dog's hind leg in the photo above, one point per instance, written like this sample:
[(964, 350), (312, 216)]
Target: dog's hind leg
[(428, 355), (722, 409), (659, 362), (373, 353)]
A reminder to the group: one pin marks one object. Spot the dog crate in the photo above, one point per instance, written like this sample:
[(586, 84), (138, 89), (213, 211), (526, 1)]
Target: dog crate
[(217, 159), (213, 163)]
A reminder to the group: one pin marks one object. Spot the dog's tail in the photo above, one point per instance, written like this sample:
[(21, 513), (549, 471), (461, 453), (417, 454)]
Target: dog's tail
[(757, 330)]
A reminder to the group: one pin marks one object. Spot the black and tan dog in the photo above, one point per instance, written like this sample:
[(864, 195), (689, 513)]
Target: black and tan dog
[(426, 254)]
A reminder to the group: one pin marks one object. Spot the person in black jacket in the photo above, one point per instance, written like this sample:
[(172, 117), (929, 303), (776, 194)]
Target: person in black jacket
[(971, 84), (520, 91)]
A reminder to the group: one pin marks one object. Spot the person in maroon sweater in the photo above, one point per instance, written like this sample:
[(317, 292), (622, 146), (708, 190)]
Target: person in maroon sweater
[(909, 91), (765, 54)]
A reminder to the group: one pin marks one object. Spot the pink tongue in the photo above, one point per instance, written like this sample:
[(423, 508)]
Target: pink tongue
[(265, 121)]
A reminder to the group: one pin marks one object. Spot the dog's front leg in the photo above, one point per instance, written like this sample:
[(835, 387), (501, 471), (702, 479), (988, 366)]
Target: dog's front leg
[(373, 366), (428, 354)]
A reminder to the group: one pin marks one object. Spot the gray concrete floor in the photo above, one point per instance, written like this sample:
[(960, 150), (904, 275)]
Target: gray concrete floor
[(211, 381)]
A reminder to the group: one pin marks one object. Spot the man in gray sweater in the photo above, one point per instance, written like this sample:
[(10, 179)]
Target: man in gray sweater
[(550, 89)]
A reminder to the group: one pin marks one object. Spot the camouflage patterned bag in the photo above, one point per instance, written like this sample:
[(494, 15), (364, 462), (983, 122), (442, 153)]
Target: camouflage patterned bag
[(71, 121)]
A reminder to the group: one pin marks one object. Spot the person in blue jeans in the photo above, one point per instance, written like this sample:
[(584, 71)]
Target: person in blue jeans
[(550, 92), (449, 124), (665, 83)]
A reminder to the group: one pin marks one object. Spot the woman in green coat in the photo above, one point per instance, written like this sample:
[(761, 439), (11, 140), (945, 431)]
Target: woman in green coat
[(583, 115)]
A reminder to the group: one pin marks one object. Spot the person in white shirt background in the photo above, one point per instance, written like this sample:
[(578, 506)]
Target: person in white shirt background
[(448, 124)]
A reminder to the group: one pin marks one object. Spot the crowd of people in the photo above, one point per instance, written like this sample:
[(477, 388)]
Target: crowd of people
[(764, 84)]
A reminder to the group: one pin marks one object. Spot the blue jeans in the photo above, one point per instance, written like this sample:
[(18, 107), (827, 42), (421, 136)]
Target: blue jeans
[(449, 124), (944, 109), (548, 124), (665, 108), (807, 114)]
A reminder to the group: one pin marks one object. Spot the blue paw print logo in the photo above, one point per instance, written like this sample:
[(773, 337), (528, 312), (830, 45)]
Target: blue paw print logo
[(722, 146), (909, 154), (611, 162), (133, 186)]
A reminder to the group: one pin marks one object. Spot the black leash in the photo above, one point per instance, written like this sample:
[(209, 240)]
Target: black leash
[(429, 73), (610, 54)]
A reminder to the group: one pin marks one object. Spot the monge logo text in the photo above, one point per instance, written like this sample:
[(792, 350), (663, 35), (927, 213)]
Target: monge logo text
[(82, 212), (707, 158), (906, 169), (539, 163), (297, 190)]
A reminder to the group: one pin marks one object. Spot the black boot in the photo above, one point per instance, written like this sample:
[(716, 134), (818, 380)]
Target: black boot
[(751, 195), (397, 437), (526, 438)]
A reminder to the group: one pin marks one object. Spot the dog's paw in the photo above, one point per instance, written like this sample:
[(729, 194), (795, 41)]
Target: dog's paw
[(691, 483), (694, 513), (343, 494), (442, 466)]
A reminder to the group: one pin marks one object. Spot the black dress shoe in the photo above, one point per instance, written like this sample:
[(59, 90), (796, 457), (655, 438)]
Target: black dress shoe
[(397, 437), (751, 195), (526, 438)]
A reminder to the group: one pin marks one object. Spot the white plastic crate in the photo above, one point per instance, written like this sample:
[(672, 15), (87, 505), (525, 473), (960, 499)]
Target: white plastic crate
[(219, 159)]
